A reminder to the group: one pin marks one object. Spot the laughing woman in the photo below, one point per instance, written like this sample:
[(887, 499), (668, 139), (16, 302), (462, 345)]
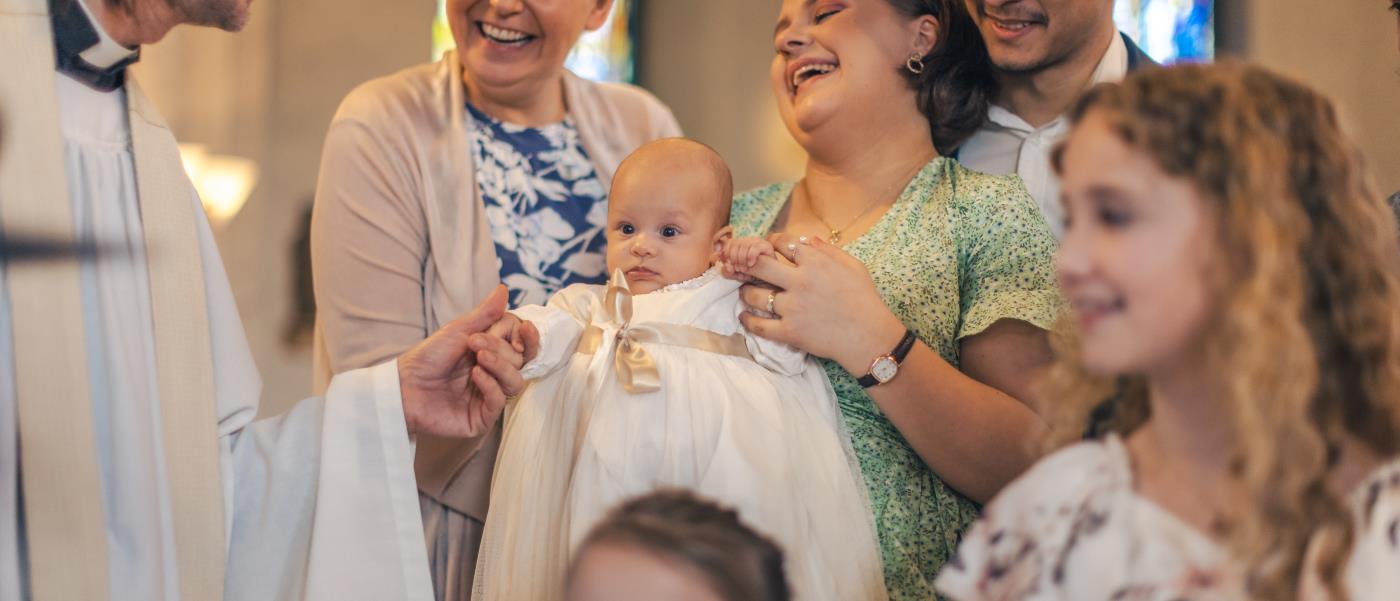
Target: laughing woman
[(440, 182), (911, 255)]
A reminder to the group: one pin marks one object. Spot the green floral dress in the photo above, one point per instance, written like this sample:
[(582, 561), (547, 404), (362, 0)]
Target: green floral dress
[(958, 251)]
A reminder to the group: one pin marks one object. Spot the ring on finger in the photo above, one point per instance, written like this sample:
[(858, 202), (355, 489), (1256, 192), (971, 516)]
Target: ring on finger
[(792, 249), (772, 297)]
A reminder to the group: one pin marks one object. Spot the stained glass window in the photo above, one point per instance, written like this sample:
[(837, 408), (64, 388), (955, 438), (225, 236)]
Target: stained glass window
[(602, 55), (1170, 31)]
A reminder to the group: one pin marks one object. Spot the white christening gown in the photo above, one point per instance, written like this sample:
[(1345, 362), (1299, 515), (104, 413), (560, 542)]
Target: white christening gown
[(742, 420)]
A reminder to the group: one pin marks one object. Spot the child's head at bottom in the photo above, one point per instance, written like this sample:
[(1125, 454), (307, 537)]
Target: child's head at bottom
[(672, 545), (667, 212)]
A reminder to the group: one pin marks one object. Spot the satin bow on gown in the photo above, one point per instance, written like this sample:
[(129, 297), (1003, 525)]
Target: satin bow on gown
[(666, 389)]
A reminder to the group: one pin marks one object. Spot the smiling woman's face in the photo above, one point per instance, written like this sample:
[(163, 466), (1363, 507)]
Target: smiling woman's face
[(840, 59), (506, 43)]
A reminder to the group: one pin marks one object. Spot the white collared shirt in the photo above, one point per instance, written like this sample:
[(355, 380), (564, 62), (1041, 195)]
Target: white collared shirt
[(1007, 144)]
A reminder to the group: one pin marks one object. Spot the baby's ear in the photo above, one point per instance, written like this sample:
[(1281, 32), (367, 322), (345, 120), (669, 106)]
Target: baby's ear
[(722, 236)]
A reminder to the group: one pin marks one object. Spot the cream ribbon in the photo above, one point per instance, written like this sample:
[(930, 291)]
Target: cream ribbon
[(635, 367)]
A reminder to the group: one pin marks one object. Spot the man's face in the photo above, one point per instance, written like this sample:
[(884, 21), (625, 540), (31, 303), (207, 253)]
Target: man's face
[(1025, 36), (228, 15)]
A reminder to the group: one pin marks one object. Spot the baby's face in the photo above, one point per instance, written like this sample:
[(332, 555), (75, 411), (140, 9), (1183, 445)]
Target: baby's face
[(662, 228)]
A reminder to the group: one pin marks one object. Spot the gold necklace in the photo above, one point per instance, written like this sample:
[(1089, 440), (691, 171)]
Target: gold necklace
[(835, 231)]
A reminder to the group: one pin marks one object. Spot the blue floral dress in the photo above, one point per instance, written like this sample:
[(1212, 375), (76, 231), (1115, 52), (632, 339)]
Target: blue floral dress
[(545, 205)]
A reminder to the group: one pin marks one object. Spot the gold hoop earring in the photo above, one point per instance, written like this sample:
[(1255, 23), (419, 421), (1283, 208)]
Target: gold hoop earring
[(915, 64)]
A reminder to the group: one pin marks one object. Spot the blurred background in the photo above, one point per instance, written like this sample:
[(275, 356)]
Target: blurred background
[(251, 109)]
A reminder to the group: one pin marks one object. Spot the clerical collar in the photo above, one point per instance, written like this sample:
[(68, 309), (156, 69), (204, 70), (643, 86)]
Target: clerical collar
[(84, 51)]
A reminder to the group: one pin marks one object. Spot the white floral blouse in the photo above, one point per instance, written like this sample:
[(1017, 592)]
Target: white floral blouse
[(1073, 528), (546, 207)]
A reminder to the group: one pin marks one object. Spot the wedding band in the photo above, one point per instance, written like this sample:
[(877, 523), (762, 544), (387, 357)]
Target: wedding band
[(772, 297)]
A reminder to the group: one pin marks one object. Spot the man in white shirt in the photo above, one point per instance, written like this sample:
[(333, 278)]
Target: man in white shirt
[(130, 464), (1046, 53)]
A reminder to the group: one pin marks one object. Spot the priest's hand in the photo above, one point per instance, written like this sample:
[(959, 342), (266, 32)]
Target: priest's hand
[(452, 391)]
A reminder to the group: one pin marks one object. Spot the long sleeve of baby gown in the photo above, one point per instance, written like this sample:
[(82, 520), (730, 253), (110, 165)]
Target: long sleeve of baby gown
[(776, 356), (561, 323)]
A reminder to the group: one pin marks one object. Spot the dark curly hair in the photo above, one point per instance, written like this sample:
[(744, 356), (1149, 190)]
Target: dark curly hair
[(738, 563), (958, 81)]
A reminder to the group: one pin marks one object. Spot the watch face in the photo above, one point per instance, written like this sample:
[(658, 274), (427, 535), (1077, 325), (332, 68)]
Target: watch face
[(884, 369)]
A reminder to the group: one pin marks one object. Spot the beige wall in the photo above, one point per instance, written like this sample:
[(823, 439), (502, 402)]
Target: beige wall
[(708, 60), (269, 92), (1347, 49)]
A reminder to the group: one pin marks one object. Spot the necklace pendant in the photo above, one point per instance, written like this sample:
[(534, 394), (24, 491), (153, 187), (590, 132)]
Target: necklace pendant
[(835, 236)]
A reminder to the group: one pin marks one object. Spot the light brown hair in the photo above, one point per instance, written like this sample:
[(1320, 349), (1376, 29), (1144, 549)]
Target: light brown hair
[(1306, 337), (737, 563)]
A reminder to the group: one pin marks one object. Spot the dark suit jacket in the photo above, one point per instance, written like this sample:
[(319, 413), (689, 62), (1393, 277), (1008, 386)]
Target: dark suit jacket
[(1137, 59)]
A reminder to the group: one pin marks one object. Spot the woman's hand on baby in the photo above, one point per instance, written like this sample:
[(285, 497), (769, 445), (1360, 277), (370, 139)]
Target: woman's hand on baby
[(826, 304), (739, 256)]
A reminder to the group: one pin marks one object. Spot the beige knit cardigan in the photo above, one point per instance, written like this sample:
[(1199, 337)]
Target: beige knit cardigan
[(399, 238)]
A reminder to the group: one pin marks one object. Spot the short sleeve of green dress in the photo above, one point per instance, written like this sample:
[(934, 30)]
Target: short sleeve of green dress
[(957, 252)]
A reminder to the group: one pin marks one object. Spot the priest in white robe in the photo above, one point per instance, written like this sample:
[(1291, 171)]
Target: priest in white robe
[(130, 464)]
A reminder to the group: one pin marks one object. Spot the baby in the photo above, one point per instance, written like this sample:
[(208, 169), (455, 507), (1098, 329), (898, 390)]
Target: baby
[(652, 382)]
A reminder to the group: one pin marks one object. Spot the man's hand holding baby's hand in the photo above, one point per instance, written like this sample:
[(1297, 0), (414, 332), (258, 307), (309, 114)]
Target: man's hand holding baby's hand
[(741, 254), (509, 340)]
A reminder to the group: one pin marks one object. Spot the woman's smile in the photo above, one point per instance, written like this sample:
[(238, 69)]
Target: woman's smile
[(806, 70), (503, 35)]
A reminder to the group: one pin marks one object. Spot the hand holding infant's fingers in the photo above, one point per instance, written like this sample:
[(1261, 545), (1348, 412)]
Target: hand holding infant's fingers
[(450, 388), (744, 252), (505, 329), (828, 304), (528, 336)]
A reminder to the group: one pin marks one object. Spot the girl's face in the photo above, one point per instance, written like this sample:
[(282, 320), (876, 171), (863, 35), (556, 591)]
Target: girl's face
[(841, 60), (513, 42), (611, 572), (1134, 262)]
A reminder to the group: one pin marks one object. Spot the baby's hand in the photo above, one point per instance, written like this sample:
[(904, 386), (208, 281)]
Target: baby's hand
[(741, 254), (512, 339)]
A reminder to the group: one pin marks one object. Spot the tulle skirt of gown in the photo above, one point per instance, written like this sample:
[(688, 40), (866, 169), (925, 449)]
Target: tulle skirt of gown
[(771, 446)]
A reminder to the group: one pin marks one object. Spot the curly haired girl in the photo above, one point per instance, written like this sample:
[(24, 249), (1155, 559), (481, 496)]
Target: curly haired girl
[(1235, 286)]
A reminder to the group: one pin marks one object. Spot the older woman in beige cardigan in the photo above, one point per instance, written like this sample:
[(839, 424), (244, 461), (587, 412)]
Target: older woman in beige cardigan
[(410, 215)]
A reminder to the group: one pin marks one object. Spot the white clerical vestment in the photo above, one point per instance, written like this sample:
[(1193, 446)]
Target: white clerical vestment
[(319, 503)]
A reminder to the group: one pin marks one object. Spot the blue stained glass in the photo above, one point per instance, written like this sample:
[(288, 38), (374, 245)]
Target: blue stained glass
[(1170, 31)]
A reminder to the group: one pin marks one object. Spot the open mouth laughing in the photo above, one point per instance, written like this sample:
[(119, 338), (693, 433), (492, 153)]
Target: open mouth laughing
[(807, 70), (503, 36)]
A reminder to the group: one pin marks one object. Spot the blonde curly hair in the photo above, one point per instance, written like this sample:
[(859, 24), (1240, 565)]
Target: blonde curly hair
[(1306, 337)]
